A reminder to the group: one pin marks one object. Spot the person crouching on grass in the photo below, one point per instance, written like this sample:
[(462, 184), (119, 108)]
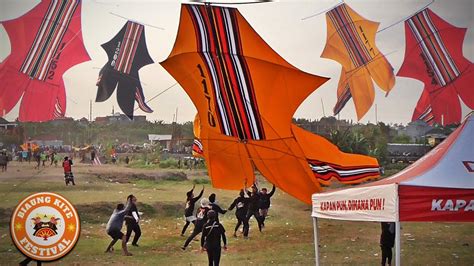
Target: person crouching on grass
[(212, 233), (114, 227)]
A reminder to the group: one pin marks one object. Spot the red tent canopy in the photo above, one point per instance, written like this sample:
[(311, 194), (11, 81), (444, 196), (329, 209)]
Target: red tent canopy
[(437, 187)]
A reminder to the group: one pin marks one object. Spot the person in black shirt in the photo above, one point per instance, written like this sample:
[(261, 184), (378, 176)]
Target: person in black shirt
[(215, 207), (254, 200), (387, 241), (133, 221), (241, 205), (189, 209), (201, 220), (212, 233), (264, 203)]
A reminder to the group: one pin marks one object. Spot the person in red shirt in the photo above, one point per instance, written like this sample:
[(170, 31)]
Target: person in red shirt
[(67, 166)]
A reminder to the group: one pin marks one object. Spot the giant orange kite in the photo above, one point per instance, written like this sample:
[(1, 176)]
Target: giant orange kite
[(351, 42), (434, 56), (246, 95)]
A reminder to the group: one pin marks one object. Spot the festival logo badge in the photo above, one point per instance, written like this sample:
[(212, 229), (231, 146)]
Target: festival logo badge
[(45, 226)]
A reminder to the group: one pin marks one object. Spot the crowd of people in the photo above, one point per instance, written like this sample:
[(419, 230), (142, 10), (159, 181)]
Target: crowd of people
[(205, 219), (248, 204)]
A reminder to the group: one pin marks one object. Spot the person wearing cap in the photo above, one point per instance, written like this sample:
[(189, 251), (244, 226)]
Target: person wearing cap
[(212, 233), (241, 205), (201, 219), (214, 206), (189, 209)]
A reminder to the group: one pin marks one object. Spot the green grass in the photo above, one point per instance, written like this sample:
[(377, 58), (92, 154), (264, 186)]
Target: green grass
[(287, 239)]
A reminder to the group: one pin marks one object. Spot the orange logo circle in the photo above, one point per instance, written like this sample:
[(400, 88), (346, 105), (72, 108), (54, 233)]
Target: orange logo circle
[(45, 226)]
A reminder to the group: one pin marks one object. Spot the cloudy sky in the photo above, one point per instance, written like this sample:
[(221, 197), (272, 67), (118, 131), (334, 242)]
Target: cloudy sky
[(280, 24)]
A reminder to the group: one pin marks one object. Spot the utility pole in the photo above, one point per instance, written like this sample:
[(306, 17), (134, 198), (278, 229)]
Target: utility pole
[(376, 118), (322, 104)]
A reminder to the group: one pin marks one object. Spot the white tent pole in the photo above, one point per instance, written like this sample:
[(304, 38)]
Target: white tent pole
[(397, 243), (316, 240)]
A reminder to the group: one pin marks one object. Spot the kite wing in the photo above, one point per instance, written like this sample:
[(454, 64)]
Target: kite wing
[(351, 42), (434, 56), (127, 53), (45, 43), (327, 161)]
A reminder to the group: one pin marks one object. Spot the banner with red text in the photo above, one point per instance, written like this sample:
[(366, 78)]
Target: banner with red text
[(377, 203)]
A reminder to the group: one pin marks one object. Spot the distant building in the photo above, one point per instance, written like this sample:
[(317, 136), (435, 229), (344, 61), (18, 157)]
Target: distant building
[(4, 124), (415, 130), (118, 118), (406, 152), (62, 121), (164, 140), (437, 135)]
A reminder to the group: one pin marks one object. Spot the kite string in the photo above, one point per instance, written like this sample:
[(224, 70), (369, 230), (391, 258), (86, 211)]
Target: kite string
[(117, 15), (405, 18), (324, 11)]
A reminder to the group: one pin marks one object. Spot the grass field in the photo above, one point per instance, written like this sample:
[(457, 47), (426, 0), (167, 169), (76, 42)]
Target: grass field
[(286, 240)]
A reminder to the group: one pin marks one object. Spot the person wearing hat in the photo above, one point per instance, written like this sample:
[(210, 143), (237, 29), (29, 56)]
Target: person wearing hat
[(201, 220), (189, 209), (212, 233)]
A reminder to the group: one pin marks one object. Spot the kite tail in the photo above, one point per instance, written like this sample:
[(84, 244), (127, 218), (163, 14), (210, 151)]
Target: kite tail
[(423, 110), (343, 93), (332, 163), (140, 98), (12, 86), (42, 102)]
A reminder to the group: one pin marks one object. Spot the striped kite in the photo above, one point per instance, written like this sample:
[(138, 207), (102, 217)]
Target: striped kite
[(351, 42), (127, 53), (246, 95), (434, 56), (45, 43)]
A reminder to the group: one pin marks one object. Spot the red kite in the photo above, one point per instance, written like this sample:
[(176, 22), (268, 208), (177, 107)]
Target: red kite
[(434, 56), (45, 43)]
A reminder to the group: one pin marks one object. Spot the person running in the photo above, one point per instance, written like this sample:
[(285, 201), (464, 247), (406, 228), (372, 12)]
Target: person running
[(114, 228), (241, 205), (254, 199), (264, 204), (214, 206), (387, 241), (189, 209), (67, 166), (43, 158), (212, 233), (201, 220), (133, 221)]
